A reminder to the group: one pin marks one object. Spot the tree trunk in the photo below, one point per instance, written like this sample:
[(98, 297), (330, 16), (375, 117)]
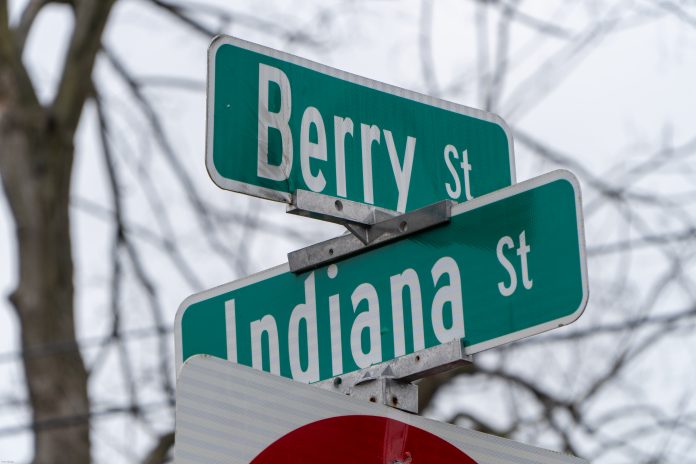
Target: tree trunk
[(36, 158), (36, 166)]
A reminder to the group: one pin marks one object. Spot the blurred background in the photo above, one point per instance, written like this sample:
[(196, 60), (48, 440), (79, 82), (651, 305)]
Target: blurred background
[(108, 219)]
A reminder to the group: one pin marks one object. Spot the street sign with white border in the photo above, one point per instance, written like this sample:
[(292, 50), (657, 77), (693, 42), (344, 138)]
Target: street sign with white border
[(508, 265), (277, 123)]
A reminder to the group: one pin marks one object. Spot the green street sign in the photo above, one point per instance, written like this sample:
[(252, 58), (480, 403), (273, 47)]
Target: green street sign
[(508, 265), (278, 123)]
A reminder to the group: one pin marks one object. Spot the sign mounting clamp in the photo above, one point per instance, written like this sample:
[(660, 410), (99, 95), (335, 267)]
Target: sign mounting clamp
[(364, 236)]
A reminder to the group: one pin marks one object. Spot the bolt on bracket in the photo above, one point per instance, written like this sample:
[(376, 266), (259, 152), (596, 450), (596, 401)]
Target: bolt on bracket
[(363, 235), (390, 383)]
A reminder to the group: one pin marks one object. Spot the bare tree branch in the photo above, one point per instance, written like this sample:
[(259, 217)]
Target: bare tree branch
[(21, 30), (179, 13), (425, 48), (15, 84), (677, 11), (199, 207), (85, 43), (495, 87), (159, 452)]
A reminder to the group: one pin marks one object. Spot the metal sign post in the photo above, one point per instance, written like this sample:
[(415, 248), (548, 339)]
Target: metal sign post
[(505, 266)]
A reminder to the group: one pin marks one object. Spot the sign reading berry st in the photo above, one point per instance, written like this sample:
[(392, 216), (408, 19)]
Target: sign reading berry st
[(508, 265), (278, 123)]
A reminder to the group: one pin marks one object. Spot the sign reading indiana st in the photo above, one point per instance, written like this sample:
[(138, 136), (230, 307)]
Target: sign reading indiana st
[(278, 123), (508, 265)]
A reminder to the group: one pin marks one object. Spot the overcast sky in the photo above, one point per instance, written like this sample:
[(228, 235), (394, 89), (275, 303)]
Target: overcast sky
[(626, 94)]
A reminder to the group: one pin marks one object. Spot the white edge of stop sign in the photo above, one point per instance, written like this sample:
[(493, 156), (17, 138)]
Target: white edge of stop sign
[(270, 194), (229, 413), (560, 174)]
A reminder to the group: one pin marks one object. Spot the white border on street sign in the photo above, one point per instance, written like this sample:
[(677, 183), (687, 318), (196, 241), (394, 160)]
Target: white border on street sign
[(269, 194), (456, 210)]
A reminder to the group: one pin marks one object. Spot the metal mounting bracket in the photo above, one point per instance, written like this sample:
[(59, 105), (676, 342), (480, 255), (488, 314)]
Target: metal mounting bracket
[(366, 237), (390, 383), (336, 210)]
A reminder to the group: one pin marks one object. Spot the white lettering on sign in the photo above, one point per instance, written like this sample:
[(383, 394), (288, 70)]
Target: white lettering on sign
[(450, 293), (522, 251), (366, 320), (231, 330), (342, 128), (402, 174), (366, 338), (310, 149), (312, 118), (407, 279), (267, 325), (368, 136), (455, 192), (335, 326), (306, 311), (279, 121)]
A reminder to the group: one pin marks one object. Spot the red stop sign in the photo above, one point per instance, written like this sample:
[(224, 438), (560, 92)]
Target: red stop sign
[(361, 440)]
